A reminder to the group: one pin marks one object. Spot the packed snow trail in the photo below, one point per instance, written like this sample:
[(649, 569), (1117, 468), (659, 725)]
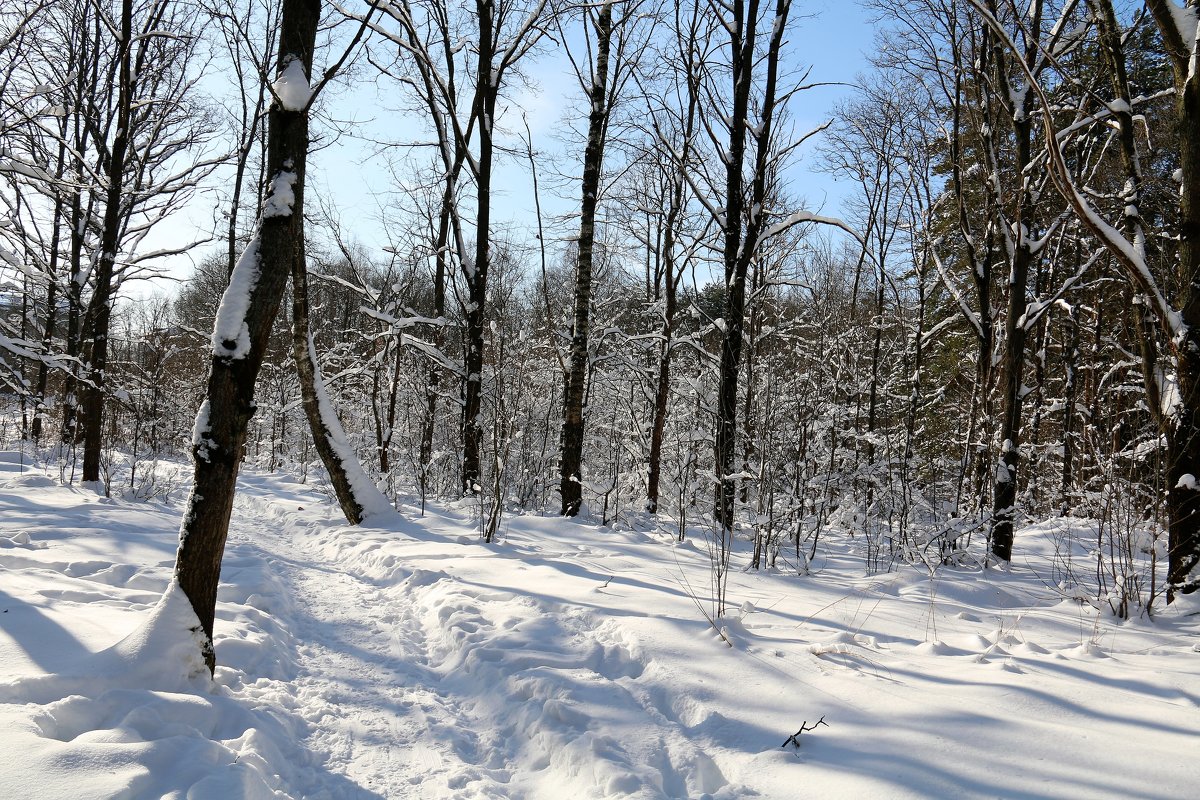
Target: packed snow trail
[(565, 661), (418, 684)]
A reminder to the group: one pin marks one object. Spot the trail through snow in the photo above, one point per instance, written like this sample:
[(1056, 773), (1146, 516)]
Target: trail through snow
[(568, 661), (418, 682)]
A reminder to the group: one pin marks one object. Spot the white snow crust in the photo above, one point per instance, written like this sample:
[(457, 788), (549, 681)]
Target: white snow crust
[(291, 87), (231, 334), (412, 661)]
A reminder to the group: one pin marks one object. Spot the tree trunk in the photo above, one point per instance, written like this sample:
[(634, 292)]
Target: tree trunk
[(70, 416), (476, 272), (662, 393), (1183, 441), (571, 463), (429, 424), (742, 37), (99, 311), (43, 370), (356, 493), (1021, 257), (242, 331), (741, 246)]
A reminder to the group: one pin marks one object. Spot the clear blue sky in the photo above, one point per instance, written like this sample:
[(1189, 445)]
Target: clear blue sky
[(829, 36)]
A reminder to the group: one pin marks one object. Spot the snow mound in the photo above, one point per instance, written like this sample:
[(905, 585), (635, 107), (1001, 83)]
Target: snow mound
[(138, 709), (30, 480), (163, 654)]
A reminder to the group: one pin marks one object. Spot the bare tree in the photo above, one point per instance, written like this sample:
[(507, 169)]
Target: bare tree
[(1178, 322), (602, 85), (501, 32), (244, 321)]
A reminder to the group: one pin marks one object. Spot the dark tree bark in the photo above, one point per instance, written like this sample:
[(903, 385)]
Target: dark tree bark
[(571, 462), (742, 32), (259, 280), (99, 311), (476, 272), (742, 231), (1183, 440), (1021, 257)]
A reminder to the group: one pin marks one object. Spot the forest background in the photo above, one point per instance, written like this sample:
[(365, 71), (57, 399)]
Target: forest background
[(997, 325)]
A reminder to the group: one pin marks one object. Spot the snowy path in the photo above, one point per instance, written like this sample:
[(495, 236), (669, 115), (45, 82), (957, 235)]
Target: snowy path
[(419, 684), (565, 662), (371, 705), (572, 662)]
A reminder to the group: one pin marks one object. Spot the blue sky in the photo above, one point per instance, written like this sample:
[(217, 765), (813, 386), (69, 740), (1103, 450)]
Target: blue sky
[(830, 36)]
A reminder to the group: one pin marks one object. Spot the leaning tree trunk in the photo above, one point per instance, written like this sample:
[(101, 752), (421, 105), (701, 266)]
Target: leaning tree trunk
[(1183, 440), (242, 330), (356, 493), (571, 463)]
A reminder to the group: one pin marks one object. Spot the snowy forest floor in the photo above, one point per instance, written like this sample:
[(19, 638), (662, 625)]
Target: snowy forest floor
[(566, 661)]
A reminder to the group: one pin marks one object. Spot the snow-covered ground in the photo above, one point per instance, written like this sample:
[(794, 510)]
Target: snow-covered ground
[(566, 661)]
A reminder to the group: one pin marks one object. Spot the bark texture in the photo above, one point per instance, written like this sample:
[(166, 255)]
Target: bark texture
[(571, 462), (220, 438)]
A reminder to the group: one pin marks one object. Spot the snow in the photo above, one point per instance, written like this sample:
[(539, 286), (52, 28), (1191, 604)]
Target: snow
[(566, 661), (282, 196), (374, 505), (291, 87), (202, 443), (1168, 392), (231, 334), (1188, 23)]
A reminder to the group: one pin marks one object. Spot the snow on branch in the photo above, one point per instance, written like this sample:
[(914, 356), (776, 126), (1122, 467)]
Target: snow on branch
[(800, 217), (1127, 253)]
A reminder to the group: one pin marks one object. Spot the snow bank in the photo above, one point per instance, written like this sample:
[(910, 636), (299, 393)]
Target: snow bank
[(162, 655)]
